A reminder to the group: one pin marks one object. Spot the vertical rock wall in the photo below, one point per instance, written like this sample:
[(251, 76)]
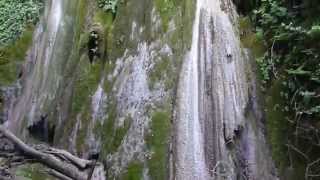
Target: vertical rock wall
[(232, 139), (121, 105)]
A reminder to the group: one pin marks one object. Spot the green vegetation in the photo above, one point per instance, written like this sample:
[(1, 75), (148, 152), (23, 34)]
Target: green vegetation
[(17, 20), (277, 125), (32, 172), (134, 171), (162, 71), (290, 74), (166, 9), (157, 142), (108, 5), (251, 39), (15, 16), (110, 134), (86, 83), (12, 56)]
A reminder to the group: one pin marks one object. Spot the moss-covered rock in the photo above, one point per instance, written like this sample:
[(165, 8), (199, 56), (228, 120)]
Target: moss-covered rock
[(158, 144), (134, 171), (32, 172)]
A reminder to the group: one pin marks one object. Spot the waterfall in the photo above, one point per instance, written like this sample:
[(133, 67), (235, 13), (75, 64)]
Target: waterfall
[(44, 66), (190, 154), (36, 68), (219, 129)]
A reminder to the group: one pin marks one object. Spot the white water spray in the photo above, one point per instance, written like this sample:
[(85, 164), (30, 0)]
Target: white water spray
[(190, 155)]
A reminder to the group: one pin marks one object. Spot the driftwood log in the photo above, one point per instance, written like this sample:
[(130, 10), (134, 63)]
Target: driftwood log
[(60, 163)]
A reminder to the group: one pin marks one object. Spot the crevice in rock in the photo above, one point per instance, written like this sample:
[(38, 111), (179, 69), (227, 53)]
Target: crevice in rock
[(93, 46), (41, 130)]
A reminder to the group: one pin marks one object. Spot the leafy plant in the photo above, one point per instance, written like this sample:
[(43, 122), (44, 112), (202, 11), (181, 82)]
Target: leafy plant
[(108, 5), (293, 57), (293, 51), (15, 16)]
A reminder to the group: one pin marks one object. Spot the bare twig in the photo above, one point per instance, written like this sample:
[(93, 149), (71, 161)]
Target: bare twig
[(307, 175), (298, 151), (271, 61)]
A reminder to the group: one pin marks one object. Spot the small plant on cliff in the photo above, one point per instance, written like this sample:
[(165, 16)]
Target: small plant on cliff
[(108, 5)]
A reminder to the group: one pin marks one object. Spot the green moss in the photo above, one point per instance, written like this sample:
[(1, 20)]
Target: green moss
[(134, 171), (166, 9), (86, 82), (120, 133), (12, 55), (107, 129), (182, 37), (162, 71), (157, 142), (32, 172), (111, 135), (82, 12), (87, 79), (79, 71), (104, 18), (249, 39), (277, 125)]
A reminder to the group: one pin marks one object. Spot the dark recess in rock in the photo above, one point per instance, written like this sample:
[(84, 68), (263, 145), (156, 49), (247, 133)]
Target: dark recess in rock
[(41, 130), (93, 46)]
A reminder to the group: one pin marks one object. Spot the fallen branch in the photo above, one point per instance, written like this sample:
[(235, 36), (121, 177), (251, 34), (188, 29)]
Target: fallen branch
[(62, 163)]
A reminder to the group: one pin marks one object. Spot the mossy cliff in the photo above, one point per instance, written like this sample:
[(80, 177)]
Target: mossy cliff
[(121, 105)]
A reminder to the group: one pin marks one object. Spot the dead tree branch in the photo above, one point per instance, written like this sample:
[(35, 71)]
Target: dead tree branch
[(62, 163)]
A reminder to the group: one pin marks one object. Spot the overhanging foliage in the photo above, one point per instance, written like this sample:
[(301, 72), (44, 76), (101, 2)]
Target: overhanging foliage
[(15, 16)]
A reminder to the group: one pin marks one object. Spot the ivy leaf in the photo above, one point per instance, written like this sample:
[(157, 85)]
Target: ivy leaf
[(298, 71), (314, 32), (313, 110)]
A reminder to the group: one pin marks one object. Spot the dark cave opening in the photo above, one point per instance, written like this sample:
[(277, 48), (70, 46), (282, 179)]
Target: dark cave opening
[(42, 130)]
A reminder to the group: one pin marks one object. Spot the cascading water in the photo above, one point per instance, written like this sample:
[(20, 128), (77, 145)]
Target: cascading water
[(190, 154), (219, 130), (36, 69), (46, 61), (218, 126)]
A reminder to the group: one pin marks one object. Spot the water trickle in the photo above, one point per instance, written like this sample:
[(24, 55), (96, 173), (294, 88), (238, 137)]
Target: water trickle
[(98, 103), (53, 25)]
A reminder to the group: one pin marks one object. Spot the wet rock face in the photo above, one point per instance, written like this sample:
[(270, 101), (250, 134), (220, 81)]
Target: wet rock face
[(106, 107), (8, 98), (145, 65), (231, 131), (44, 67), (1, 108)]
